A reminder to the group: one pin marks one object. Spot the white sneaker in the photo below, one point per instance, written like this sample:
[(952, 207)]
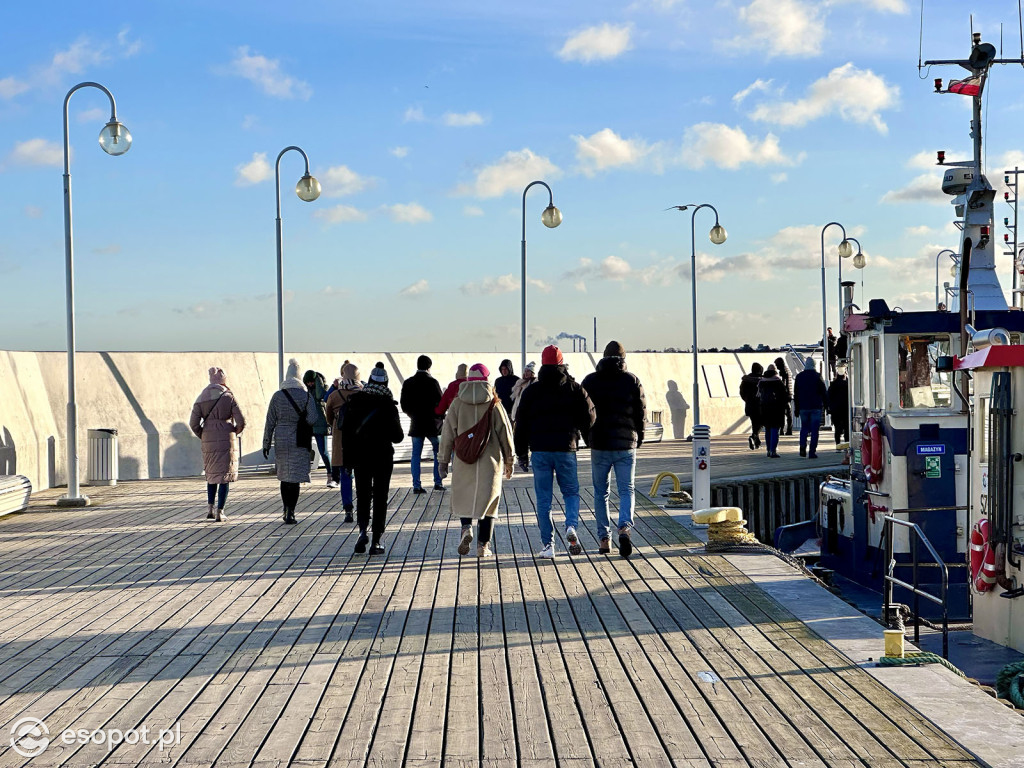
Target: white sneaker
[(548, 552), (575, 548), (331, 484)]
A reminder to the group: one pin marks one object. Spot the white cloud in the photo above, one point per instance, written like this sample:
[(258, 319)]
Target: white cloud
[(408, 213), (399, 152), (615, 268), (885, 6), (249, 122), (33, 212), (926, 188), (919, 231), (11, 87), (741, 321), (606, 149), (340, 180), (781, 28), (37, 152), (511, 173), (413, 115), (419, 288), (255, 171), (339, 214), (857, 95), (93, 115), (267, 75), (462, 119), (472, 210), (923, 160), (729, 148), (757, 85), (597, 43), (778, 178), (127, 48), (492, 286), (81, 54)]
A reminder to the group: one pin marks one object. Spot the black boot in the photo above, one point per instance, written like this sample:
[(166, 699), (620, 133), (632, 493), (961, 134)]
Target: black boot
[(361, 542)]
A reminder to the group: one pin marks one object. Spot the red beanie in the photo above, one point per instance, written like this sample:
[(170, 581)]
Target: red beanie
[(478, 372), (551, 355)]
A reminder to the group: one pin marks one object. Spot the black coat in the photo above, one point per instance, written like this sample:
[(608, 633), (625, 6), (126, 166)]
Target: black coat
[(809, 393), (748, 394), (772, 397), (839, 401), (420, 395), (503, 389), (552, 412), (619, 403), (370, 428)]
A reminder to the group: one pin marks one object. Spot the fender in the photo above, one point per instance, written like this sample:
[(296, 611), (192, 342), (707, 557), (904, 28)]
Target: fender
[(871, 452), (983, 557)]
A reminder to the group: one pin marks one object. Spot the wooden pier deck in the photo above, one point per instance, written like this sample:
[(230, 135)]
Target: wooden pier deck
[(271, 645)]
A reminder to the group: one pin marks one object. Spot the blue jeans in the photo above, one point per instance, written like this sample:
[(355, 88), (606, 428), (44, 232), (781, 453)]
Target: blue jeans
[(772, 439), (560, 464), (810, 423), (321, 445), (417, 449), (601, 464), (343, 477)]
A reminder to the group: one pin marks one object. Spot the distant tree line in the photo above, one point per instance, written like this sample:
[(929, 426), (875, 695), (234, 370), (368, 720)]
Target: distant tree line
[(743, 348)]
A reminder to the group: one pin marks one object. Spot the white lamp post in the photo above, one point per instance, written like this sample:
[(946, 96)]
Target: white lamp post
[(308, 190), (551, 217), (952, 254), (717, 235), (114, 140)]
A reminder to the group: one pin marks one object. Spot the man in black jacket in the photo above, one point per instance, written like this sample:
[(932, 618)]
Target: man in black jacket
[(619, 403), (551, 415), (420, 395), (809, 399)]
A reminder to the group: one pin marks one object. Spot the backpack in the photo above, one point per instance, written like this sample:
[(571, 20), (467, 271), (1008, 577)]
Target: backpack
[(469, 446), (339, 418), (768, 395)]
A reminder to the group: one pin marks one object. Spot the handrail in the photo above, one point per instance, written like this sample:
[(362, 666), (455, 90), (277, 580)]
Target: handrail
[(889, 521)]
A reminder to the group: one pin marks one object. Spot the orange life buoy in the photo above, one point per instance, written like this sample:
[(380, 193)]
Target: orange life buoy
[(871, 451), (983, 557)]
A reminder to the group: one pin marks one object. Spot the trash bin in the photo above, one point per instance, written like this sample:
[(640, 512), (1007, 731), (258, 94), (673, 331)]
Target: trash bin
[(102, 457)]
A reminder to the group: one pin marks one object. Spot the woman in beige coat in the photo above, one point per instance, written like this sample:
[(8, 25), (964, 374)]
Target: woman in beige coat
[(344, 388), (476, 487), (217, 421)]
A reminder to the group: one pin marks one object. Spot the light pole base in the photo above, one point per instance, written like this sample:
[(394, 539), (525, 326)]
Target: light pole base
[(73, 501)]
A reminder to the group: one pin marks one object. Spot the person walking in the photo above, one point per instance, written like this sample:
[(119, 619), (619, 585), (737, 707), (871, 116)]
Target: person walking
[(504, 384), (809, 398), (550, 417), (771, 396), (476, 486), (421, 394), (451, 390), (317, 387), (290, 418), (369, 432), (529, 377), (344, 387), (751, 405), (787, 378), (839, 406), (618, 431), (217, 421)]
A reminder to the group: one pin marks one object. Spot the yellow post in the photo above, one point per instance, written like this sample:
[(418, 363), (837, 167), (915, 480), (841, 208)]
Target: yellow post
[(894, 643)]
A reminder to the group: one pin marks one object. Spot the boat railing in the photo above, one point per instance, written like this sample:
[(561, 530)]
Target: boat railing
[(890, 579)]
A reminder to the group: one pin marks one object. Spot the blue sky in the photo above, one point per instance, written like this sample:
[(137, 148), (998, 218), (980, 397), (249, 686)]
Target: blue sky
[(425, 120)]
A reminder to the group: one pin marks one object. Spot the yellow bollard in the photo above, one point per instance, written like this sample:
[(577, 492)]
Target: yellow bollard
[(894, 643)]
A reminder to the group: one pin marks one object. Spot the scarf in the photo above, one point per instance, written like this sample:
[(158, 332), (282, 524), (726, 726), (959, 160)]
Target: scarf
[(374, 388)]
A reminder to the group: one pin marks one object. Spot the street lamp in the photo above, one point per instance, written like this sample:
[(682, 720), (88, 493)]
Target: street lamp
[(114, 140), (717, 235), (845, 251), (308, 190), (551, 217), (952, 254), (859, 261)]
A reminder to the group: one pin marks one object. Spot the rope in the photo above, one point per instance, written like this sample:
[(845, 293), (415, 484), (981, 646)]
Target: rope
[(915, 658), (1010, 683)]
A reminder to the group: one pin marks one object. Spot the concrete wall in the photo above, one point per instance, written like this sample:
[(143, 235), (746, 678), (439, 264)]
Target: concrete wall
[(148, 396)]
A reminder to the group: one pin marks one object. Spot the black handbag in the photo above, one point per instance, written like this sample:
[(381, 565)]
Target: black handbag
[(303, 430)]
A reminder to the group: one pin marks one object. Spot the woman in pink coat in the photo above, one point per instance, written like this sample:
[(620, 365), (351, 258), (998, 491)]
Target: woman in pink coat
[(217, 421)]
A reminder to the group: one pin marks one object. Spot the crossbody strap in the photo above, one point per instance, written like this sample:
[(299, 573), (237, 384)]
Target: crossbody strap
[(210, 412), (294, 404)]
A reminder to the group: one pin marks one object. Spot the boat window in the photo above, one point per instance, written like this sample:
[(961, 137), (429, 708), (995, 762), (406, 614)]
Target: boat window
[(877, 398), (857, 374), (981, 433), (921, 386)]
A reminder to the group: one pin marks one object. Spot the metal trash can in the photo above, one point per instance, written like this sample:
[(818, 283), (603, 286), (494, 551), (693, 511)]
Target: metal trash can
[(102, 457)]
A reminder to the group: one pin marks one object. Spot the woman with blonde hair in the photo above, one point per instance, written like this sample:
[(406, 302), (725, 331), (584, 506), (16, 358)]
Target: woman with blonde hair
[(217, 421), (476, 486)]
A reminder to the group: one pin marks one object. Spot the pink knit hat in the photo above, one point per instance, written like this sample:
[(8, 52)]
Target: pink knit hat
[(217, 376), (478, 372)]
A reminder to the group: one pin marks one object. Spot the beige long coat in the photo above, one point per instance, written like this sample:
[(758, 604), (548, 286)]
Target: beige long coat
[(337, 399), (476, 488), (222, 423)]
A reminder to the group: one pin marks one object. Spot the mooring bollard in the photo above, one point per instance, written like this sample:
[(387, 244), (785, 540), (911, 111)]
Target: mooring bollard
[(701, 466)]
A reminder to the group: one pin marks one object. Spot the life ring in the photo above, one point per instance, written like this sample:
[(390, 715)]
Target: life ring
[(871, 451), (983, 557)]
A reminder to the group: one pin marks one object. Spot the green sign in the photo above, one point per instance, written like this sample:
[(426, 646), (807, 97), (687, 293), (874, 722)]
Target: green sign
[(932, 467)]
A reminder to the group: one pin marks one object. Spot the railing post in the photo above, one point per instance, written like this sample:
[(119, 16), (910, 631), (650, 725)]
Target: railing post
[(887, 585), (917, 601)]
